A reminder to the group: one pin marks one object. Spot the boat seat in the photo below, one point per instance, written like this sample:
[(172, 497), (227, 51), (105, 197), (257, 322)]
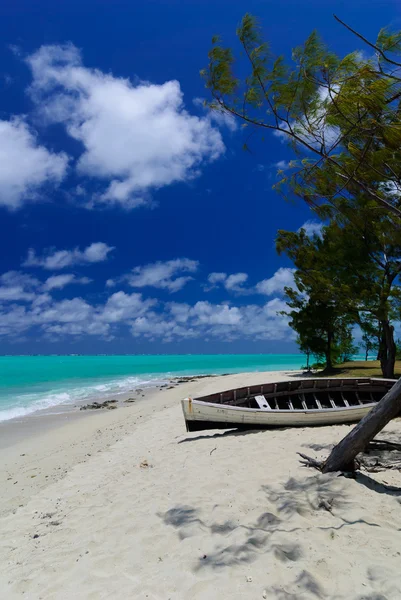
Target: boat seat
[(262, 403)]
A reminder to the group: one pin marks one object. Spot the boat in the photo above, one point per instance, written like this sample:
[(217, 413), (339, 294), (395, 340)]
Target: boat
[(296, 403)]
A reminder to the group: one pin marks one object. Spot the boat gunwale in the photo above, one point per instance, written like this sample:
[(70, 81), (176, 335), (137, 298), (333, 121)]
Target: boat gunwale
[(300, 389), (282, 411)]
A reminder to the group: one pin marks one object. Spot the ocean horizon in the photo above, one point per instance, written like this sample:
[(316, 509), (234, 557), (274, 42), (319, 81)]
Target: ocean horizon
[(29, 383)]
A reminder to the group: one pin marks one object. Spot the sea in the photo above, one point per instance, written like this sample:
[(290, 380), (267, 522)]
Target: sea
[(32, 383)]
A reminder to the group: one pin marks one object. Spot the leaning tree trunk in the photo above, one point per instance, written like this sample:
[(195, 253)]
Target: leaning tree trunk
[(388, 350), (342, 456)]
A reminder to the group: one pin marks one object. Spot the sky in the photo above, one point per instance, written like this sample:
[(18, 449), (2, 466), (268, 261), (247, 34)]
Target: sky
[(131, 219)]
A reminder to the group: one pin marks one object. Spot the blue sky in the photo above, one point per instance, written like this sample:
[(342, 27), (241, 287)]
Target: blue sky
[(132, 220)]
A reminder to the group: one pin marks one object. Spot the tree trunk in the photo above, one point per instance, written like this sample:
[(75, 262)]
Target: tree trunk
[(329, 364), (343, 454), (366, 353), (388, 350)]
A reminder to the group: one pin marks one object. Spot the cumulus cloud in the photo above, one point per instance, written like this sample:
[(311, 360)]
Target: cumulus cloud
[(282, 165), (137, 137), (24, 305), (283, 277), (58, 282), (312, 228), (169, 275), (59, 259), (221, 117), (122, 307), (232, 283), (17, 286), (219, 321), (25, 165)]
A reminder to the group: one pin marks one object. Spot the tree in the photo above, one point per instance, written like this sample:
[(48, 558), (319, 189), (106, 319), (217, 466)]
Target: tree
[(303, 344), (354, 265), (346, 346), (340, 115), (342, 118), (315, 324), (368, 343)]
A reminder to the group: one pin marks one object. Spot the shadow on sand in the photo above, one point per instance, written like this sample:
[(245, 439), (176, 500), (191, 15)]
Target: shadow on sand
[(238, 542)]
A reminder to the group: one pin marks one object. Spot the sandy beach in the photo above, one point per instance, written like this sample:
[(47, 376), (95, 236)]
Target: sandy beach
[(125, 503)]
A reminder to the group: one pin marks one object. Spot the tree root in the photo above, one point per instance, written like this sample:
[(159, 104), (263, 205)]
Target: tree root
[(379, 466), (308, 461), (375, 467), (383, 445)]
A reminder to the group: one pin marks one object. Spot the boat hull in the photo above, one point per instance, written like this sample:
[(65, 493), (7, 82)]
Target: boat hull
[(205, 415)]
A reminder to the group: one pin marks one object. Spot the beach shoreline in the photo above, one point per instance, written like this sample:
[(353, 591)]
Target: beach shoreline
[(61, 439), (125, 503)]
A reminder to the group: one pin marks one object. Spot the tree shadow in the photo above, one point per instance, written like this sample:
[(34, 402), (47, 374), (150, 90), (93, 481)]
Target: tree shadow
[(305, 496), (379, 455), (304, 582), (277, 537), (318, 447), (257, 538), (376, 486)]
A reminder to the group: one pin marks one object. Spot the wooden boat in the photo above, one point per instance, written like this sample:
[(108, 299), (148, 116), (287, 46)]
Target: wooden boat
[(296, 403)]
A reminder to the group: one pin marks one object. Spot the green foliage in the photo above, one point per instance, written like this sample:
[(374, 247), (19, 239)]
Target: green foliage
[(342, 118), (347, 276), (341, 115)]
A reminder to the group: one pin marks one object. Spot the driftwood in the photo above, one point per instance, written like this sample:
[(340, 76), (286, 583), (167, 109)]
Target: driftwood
[(343, 454), (362, 464)]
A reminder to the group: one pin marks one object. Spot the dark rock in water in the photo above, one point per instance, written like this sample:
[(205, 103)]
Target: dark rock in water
[(111, 407), (96, 405), (130, 400)]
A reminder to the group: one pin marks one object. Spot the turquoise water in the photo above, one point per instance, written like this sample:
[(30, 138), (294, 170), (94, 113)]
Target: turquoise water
[(31, 383)]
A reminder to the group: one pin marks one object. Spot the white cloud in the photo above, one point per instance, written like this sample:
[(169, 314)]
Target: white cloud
[(136, 137), (17, 286), (282, 165), (235, 281), (26, 303), (75, 310), (215, 278), (143, 317), (232, 283), (312, 228), (206, 313), (121, 307), (221, 117), (164, 275), (25, 166), (15, 293), (59, 259), (283, 277), (58, 282)]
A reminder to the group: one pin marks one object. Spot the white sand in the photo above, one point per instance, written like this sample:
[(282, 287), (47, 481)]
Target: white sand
[(133, 507)]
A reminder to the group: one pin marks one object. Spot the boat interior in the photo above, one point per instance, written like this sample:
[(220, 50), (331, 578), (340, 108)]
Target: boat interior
[(309, 394)]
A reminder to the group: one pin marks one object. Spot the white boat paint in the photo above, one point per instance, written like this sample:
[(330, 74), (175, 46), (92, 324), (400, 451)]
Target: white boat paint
[(265, 405), (196, 410)]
